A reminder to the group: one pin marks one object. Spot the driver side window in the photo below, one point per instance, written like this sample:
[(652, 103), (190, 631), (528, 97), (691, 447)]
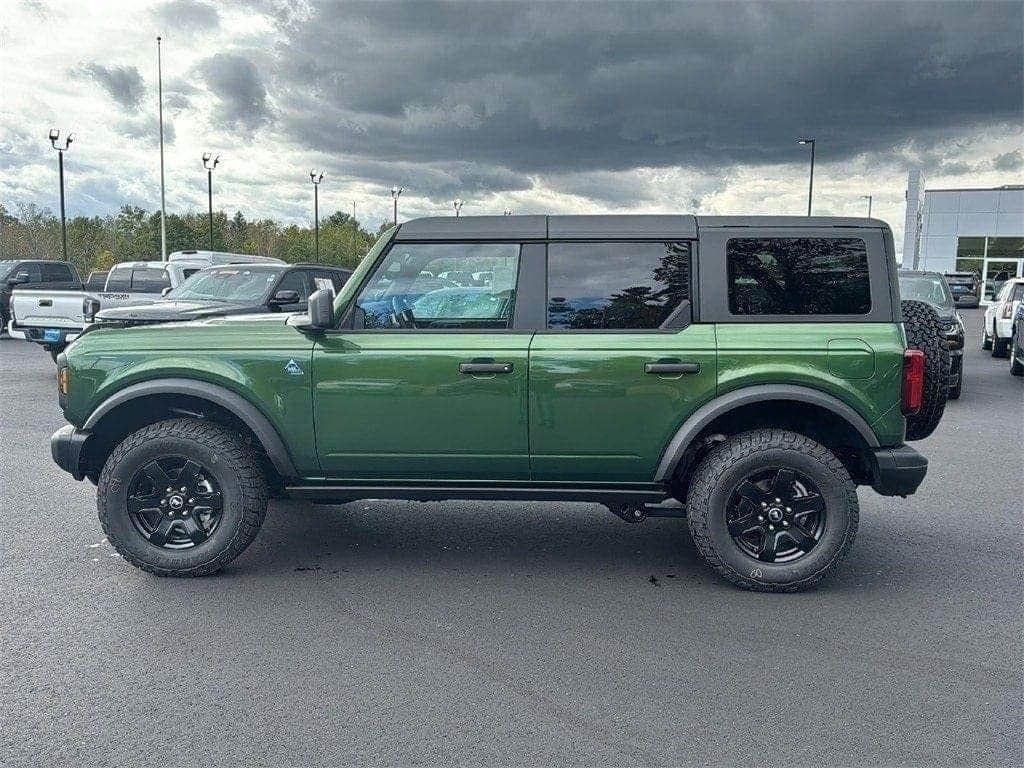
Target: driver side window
[(441, 286)]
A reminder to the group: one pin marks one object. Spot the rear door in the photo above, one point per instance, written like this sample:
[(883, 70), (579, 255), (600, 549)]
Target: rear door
[(427, 379), (620, 364)]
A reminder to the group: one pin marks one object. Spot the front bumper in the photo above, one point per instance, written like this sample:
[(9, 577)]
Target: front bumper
[(898, 471), (66, 446)]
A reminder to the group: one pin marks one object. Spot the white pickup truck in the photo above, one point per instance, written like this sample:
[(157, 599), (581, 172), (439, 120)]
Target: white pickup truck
[(55, 318)]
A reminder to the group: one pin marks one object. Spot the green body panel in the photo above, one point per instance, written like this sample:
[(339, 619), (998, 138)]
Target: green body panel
[(596, 415), (859, 363), (392, 405), (246, 355)]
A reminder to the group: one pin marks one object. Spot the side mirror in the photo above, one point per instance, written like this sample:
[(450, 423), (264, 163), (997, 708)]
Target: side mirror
[(285, 297), (165, 291), (320, 313)]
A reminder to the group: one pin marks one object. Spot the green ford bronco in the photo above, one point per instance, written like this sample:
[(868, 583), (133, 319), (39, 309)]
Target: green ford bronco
[(747, 373)]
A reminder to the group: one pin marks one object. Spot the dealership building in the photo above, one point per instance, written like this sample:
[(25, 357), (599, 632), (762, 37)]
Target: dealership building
[(965, 230)]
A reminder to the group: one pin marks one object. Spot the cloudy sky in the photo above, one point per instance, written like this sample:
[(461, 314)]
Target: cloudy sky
[(543, 108)]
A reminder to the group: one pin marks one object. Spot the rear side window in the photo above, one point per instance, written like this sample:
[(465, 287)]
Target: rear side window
[(150, 280), (120, 280), (798, 276), (56, 273), (618, 286)]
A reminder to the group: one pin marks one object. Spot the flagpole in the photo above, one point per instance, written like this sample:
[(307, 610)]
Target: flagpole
[(163, 212)]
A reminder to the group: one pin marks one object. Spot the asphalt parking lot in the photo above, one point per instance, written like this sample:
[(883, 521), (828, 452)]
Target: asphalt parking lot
[(538, 634)]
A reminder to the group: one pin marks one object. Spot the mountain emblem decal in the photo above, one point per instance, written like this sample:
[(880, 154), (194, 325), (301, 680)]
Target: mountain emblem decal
[(293, 369)]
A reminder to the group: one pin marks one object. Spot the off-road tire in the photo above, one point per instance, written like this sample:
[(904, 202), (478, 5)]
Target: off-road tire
[(727, 464), (238, 473), (925, 332)]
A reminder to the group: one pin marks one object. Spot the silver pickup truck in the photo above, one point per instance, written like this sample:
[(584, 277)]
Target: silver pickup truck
[(55, 318)]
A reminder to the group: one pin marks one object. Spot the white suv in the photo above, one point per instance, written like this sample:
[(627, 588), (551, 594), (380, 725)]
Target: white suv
[(998, 327)]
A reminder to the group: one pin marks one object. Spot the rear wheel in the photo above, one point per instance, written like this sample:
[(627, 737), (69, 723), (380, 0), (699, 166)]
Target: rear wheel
[(772, 510), (957, 389), (986, 340), (925, 332), (181, 497)]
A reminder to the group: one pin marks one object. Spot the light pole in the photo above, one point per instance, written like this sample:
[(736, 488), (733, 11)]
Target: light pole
[(163, 212), (316, 177), (209, 163), (54, 135), (868, 198), (810, 188), (396, 192), (457, 204)]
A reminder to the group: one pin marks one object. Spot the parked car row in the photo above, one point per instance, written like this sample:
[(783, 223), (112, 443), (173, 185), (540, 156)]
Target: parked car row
[(46, 303), (998, 328)]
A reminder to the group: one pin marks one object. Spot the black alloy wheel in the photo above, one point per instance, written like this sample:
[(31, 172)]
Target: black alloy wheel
[(776, 515), (174, 502)]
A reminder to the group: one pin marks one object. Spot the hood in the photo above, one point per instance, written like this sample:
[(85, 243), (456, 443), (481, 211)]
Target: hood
[(170, 310)]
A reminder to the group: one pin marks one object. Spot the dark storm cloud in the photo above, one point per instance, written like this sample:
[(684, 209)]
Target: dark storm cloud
[(186, 16), (124, 84), (574, 88), (1009, 161), (241, 95)]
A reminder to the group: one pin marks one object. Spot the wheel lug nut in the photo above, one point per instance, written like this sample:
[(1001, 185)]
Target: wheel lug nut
[(789, 509), (760, 518), (169, 490), (771, 527), (777, 500), (163, 502), (183, 490), (784, 523), (764, 505)]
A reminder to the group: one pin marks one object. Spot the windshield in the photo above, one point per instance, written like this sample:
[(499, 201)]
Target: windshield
[(929, 288), (228, 284)]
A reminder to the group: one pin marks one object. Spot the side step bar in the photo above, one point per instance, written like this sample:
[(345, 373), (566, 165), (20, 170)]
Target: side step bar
[(343, 493)]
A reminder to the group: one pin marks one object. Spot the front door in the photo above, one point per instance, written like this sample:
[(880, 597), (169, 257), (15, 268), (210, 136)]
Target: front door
[(619, 367), (429, 382)]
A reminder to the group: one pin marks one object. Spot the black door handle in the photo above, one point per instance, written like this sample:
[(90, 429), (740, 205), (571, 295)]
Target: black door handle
[(670, 369), (485, 368), (46, 302)]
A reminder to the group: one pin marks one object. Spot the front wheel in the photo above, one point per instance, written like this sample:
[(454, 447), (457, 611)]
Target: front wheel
[(181, 497), (986, 340), (772, 510)]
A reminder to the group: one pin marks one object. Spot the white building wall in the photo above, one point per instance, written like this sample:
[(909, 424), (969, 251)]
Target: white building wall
[(949, 214)]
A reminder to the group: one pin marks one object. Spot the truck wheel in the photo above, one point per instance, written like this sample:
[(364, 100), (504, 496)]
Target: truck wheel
[(986, 340), (772, 510), (182, 497), (958, 389), (925, 332)]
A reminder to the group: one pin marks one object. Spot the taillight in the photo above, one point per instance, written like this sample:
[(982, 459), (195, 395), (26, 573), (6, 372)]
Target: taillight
[(1007, 310), (64, 380), (913, 381)]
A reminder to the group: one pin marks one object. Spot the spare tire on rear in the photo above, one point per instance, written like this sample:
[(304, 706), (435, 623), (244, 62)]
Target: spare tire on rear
[(925, 332)]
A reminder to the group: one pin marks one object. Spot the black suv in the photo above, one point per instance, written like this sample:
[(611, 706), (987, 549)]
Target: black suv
[(234, 289)]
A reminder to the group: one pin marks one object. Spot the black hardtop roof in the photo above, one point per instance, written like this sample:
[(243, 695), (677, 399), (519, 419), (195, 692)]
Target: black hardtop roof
[(602, 226)]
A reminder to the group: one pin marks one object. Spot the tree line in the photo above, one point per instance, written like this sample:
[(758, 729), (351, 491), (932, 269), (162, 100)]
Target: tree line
[(133, 234)]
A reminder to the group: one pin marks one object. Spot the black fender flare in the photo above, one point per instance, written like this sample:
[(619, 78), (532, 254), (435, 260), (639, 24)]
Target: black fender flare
[(760, 393), (251, 416)]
